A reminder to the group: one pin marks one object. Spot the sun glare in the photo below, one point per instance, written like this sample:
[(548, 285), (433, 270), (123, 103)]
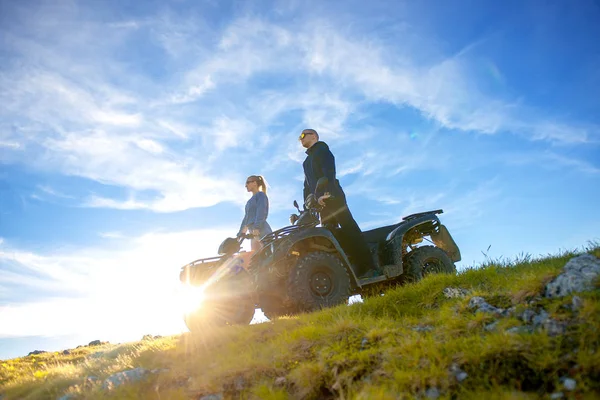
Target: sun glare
[(191, 298)]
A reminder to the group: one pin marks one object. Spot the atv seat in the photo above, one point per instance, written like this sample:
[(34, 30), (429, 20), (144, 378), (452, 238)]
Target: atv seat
[(379, 235)]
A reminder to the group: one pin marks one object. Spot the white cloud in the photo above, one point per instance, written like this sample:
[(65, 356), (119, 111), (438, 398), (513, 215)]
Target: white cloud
[(552, 161), (441, 91), (195, 91), (150, 146), (92, 291), (53, 192), (10, 145), (111, 235), (227, 132), (155, 137)]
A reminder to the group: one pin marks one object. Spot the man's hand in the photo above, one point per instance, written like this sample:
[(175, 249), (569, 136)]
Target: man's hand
[(255, 232), (322, 199)]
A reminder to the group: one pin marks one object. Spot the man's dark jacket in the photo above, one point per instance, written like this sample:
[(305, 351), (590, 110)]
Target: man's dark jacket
[(320, 162)]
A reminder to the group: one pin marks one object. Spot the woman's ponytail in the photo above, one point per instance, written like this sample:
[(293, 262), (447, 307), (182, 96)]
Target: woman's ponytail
[(262, 183)]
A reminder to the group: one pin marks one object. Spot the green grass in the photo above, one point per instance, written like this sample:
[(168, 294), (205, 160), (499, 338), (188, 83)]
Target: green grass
[(368, 350)]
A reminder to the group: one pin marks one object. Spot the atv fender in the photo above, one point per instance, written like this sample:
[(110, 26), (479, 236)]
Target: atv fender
[(395, 239), (444, 241), (401, 230)]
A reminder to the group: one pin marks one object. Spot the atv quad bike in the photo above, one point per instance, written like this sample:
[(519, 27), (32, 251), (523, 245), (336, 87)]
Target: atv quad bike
[(304, 266)]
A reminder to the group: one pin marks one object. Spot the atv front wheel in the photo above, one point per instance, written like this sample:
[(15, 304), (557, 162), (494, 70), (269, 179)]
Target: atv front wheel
[(235, 311), (227, 302), (318, 280), (272, 307), (427, 260)]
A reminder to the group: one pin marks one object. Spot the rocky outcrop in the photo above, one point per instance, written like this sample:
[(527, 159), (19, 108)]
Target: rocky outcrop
[(122, 377), (578, 276)]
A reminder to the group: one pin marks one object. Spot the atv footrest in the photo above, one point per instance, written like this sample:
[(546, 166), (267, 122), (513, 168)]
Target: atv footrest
[(368, 281), (392, 271)]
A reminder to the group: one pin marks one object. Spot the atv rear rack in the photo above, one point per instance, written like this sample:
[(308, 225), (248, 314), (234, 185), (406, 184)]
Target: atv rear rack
[(203, 261), (417, 215)]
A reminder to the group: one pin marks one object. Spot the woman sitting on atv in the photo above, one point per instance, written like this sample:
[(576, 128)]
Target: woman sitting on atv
[(257, 210)]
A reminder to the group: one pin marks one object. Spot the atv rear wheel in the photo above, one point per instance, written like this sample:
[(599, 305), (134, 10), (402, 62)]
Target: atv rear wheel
[(318, 280), (427, 260)]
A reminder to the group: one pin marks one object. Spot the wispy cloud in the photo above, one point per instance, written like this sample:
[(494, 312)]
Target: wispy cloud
[(551, 160), (157, 137), (111, 235), (53, 192)]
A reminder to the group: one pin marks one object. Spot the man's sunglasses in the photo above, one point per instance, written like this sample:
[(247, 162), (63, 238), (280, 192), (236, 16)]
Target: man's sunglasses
[(248, 182), (303, 135)]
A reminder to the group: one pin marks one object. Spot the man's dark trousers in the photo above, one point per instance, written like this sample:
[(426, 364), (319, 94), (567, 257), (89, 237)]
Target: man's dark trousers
[(336, 212)]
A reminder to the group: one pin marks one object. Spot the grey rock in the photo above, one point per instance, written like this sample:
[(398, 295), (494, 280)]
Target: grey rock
[(569, 384), (455, 293), (281, 381), (423, 328), (554, 327), (557, 395), (520, 330), (432, 393), (66, 352), (508, 312), (491, 327), (480, 305), (122, 377), (458, 373), (36, 352), (534, 300), (160, 370), (527, 315), (577, 276), (476, 301), (95, 343), (461, 376), (239, 383), (540, 318), (576, 302), (214, 396), (364, 342)]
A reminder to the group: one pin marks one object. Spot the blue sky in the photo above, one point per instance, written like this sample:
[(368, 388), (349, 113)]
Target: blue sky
[(127, 130)]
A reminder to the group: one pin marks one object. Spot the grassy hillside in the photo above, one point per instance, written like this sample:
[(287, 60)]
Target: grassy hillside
[(415, 341)]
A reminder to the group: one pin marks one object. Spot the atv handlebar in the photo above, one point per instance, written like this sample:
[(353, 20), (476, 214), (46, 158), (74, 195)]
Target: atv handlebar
[(243, 236)]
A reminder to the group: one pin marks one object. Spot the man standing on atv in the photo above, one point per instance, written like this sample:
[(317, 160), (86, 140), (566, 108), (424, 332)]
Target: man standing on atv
[(320, 162)]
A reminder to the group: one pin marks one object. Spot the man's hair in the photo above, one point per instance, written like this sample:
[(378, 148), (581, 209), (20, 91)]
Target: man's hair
[(311, 131)]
